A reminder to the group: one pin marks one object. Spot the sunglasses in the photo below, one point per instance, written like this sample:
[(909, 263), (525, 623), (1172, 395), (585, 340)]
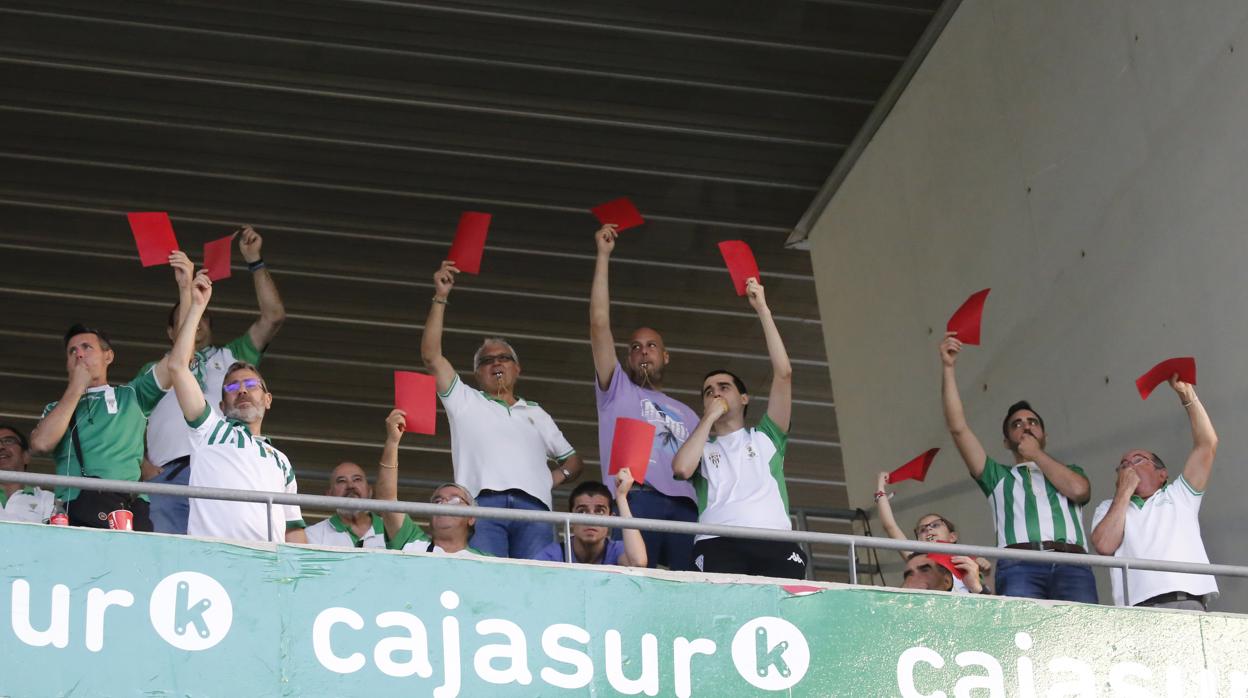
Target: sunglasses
[(496, 358), (248, 383), (453, 499)]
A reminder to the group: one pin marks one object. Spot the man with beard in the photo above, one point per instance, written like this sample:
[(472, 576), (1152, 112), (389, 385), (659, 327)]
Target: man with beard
[(450, 533), (167, 446), (500, 442), (636, 392), (349, 528), (590, 544), (227, 449), (17, 503), (1037, 503)]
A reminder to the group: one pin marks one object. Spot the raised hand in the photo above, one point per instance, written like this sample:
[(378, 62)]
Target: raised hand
[(605, 237), (754, 292), (183, 268), (249, 242), (444, 279), (949, 348), (201, 289), (1185, 390), (623, 482), (396, 424)]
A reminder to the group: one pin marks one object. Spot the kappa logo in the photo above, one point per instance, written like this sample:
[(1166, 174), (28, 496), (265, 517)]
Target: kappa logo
[(770, 653), (794, 557), (191, 611)]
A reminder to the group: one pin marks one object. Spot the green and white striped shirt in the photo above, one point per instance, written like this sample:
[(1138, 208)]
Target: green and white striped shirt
[(1027, 508)]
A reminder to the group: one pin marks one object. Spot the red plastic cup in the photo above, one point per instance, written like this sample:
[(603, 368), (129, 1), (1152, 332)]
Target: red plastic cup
[(59, 520), (121, 520)]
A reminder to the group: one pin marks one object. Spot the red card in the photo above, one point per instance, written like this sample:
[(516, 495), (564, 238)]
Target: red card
[(967, 318), (217, 258), (1185, 366), (153, 235), (945, 561), (631, 447), (740, 261), (915, 469), (414, 394), (620, 212), (469, 242)]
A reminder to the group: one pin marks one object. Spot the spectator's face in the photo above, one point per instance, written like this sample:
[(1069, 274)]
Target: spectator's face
[(244, 396), (597, 505), (647, 357), (1024, 421), (86, 349), (348, 480), (450, 494), (922, 573), (722, 385), (12, 456), (1152, 478), (203, 333), (933, 528), (497, 369)]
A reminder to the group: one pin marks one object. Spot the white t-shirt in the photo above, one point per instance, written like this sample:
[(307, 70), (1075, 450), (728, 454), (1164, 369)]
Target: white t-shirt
[(225, 454), (336, 532), (30, 504), (1166, 526), (740, 479), (166, 429), (496, 447)]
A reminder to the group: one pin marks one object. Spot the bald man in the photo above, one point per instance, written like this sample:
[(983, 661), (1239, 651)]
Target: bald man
[(349, 527)]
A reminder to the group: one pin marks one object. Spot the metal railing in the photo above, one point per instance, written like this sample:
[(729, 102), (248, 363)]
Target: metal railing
[(568, 519)]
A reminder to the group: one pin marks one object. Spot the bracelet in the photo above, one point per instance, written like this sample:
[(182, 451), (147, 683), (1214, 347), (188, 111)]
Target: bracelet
[(256, 265), (440, 300), (392, 467), (1190, 402), (879, 494)]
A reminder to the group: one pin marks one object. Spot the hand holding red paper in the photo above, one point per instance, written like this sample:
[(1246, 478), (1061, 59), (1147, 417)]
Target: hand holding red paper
[(414, 394), (153, 235), (946, 561), (739, 259), (631, 447), (217, 257), (916, 469), (469, 243), (619, 212), (1184, 366), (966, 319)]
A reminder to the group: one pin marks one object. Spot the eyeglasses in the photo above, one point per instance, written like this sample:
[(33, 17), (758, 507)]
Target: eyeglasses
[(10, 441), (495, 358), (248, 383), (1029, 421), (453, 499), (1136, 460), (930, 526)]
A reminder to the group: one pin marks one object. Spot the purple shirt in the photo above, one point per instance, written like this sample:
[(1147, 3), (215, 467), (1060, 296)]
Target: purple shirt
[(554, 553), (673, 422)]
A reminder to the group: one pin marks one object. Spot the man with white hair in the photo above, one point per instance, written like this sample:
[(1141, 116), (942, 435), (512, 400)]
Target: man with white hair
[(349, 528), (500, 442)]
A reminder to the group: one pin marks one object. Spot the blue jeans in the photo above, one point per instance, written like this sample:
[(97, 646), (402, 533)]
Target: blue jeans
[(1042, 580), (169, 514), (517, 539), (675, 550)]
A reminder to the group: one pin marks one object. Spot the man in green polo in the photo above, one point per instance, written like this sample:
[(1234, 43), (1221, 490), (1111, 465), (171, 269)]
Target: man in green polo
[(96, 429)]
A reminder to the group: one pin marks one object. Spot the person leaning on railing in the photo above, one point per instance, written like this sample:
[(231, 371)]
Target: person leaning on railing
[(1153, 519), (1037, 503), (934, 528), (17, 503), (349, 527), (592, 545)]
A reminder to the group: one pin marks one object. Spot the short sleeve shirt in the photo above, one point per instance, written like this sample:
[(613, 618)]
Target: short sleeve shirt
[(30, 504), (740, 479), (554, 553), (672, 420), (499, 447), (225, 454), (167, 438), (110, 421), (1027, 508), (338, 533)]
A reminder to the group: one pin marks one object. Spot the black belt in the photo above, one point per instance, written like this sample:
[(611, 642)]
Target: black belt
[(1056, 546), (1172, 597)]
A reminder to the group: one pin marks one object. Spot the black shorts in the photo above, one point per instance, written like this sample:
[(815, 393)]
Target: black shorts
[(764, 558)]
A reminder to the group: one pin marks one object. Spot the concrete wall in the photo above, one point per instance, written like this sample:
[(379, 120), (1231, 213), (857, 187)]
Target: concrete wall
[(1089, 162)]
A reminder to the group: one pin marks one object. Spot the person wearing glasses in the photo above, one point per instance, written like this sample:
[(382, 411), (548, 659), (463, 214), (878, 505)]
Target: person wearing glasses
[(500, 442), (450, 533), (227, 447), (934, 528), (17, 503), (167, 446), (1155, 519), (1037, 503), (96, 429)]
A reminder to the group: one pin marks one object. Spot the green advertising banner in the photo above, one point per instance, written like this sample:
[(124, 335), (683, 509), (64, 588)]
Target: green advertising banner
[(102, 613)]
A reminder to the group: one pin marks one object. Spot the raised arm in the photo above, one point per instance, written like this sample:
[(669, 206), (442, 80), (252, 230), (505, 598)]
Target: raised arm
[(885, 509), (634, 544), (601, 340), (1204, 439), (51, 429), (780, 400), (178, 362), (183, 276), (685, 462), (387, 487), (968, 444), (272, 311), (431, 340), (1107, 533)]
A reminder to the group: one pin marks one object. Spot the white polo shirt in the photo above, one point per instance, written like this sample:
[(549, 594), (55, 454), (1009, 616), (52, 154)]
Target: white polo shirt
[(338, 533), (497, 447), (1165, 526), (29, 504), (225, 454), (740, 479)]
